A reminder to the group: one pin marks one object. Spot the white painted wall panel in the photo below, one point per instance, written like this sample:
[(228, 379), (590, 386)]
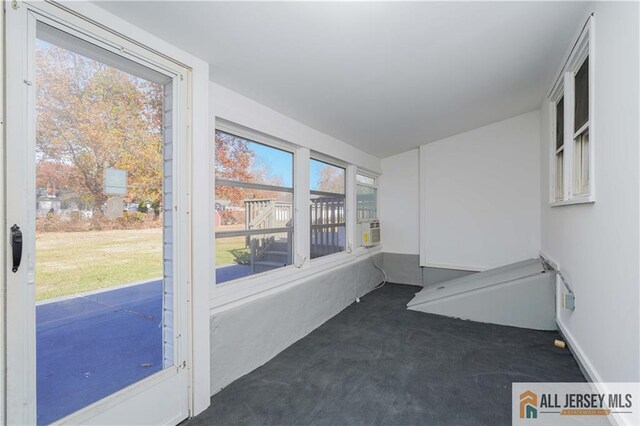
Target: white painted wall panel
[(597, 245), (398, 203), (481, 189), (245, 337)]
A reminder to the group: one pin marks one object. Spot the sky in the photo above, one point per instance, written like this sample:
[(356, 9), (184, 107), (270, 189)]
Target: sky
[(280, 164)]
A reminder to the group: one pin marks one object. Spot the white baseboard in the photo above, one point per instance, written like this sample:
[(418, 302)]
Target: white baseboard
[(578, 353), (585, 365), (458, 267)]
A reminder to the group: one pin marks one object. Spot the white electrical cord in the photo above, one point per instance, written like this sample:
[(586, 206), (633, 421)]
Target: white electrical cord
[(300, 264), (548, 265), (383, 273), (379, 285)]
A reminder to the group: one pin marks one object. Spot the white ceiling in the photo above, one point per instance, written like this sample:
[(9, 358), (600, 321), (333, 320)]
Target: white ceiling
[(384, 77)]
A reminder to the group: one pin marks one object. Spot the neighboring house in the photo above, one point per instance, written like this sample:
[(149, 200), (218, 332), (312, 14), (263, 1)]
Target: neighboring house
[(222, 205), (46, 202)]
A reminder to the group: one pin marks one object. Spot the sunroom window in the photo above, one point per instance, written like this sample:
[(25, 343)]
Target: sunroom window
[(571, 104), (581, 131), (366, 197), (254, 207), (559, 143), (328, 212)]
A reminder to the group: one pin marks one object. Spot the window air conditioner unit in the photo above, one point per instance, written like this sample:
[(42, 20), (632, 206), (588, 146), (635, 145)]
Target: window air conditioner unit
[(369, 233)]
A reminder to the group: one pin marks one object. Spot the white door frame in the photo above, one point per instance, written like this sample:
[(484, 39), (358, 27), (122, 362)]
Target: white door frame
[(2, 226), (145, 401)]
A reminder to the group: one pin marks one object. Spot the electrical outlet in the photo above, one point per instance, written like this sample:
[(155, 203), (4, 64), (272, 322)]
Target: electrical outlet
[(569, 301)]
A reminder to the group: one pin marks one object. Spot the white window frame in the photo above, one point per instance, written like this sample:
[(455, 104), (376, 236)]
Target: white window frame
[(565, 86), (554, 151), (272, 142), (375, 184), (236, 292), (340, 164)]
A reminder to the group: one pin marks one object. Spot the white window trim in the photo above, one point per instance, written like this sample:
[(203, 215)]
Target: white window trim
[(557, 94), (236, 292), (585, 46), (254, 136), (349, 204), (368, 174), (332, 161)]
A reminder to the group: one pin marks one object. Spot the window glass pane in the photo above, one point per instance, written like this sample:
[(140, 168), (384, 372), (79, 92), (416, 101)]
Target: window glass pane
[(582, 95), (246, 208), (581, 164), (560, 123), (585, 163), (242, 160), (243, 206), (326, 177), (328, 231), (367, 202), (239, 257), (559, 176), (103, 223), (365, 179), (577, 166)]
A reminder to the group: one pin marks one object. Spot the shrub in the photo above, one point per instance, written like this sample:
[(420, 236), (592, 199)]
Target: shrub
[(228, 217)]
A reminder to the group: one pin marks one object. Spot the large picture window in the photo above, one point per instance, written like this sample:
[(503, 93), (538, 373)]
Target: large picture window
[(254, 207), (328, 213)]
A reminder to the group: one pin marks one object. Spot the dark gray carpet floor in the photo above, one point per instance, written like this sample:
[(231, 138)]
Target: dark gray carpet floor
[(378, 363)]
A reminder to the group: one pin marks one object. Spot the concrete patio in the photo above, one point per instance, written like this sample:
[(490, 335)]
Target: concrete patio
[(94, 344)]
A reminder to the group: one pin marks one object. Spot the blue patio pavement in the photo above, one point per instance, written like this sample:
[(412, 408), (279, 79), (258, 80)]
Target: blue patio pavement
[(232, 272), (93, 345)]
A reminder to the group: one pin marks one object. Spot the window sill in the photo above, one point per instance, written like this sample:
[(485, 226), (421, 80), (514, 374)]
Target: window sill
[(238, 292), (587, 199)]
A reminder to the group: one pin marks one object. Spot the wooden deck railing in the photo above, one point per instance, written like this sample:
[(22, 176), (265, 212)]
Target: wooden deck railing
[(328, 223), (266, 214), (366, 207)]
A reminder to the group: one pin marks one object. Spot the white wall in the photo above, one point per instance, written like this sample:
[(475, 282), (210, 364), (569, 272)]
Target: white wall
[(597, 245), (480, 191), (399, 203)]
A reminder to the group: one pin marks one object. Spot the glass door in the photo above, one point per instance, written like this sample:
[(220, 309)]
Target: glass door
[(95, 306)]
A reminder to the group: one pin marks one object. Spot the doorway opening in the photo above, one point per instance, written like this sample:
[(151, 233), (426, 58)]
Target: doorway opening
[(103, 181)]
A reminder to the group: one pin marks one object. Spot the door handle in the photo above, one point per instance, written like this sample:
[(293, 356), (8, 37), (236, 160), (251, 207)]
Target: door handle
[(16, 246)]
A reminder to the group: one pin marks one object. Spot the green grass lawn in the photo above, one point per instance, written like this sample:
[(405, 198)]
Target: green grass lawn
[(230, 251), (76, 262)]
